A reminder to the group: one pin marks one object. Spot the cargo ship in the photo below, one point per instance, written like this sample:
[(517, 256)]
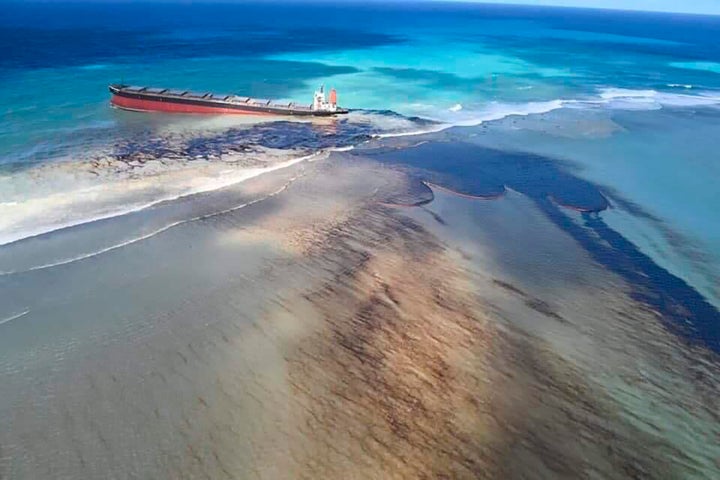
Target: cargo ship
[(145, 99)]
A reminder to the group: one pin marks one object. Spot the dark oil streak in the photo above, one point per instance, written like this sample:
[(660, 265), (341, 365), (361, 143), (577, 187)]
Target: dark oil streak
[(684, 311)]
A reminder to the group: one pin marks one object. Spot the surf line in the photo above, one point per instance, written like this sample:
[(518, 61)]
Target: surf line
[(14, 317), (251, 173), (155, 232)]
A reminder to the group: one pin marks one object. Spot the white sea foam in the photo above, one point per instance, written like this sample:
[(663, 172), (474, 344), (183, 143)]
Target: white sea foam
[(21, 219), (460, 115), (411, 133), (614, 98), (652, 99), (468, 117), (342, 149), (610, 98), (613, 93), (13, 317), (117, 246), (18, 215), (498, 111), (381, 121)]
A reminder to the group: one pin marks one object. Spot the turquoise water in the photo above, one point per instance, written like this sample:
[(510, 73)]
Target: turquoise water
[(452, 63), (630, 101)]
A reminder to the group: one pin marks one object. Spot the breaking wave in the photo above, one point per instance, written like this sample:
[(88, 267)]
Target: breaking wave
[(146, 236), (45, 215), (20, 232), (621, 98), (614, 98), (14, 317)]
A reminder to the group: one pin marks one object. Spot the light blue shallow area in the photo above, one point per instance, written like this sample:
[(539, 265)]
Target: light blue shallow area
[(702, 66)]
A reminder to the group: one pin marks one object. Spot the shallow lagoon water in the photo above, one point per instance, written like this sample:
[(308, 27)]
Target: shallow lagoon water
[(544, 278), (654, 167), (219, 346)]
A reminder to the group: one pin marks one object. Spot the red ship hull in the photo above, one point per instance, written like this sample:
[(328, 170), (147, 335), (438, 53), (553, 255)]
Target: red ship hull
[(143, 105), (143, 99)]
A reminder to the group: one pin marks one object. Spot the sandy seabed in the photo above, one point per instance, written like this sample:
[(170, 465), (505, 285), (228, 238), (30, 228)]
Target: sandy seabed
[(320, 333)]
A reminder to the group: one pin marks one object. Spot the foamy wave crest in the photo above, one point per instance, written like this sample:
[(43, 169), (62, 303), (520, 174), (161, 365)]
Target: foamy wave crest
[(468, 117), (342, 149), (66, 209), (614, 93), (42, 214), (381, 121), (14, 317), (442, 119), (117, 246), (410, 133), (388, 124), (622, 99), (614, 98)]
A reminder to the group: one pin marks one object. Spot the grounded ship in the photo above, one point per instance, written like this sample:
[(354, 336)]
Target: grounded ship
[(144, 99)]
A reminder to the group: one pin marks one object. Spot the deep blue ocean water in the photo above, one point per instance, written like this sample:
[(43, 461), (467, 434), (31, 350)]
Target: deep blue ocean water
[(415, 59), (628, 103)]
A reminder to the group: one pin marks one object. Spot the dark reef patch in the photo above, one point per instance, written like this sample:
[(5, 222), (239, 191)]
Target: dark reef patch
[(177, 32)]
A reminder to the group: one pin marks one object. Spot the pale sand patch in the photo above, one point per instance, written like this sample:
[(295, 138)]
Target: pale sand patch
[(72, 193), (395, 368), (407, 376), (315, 335)]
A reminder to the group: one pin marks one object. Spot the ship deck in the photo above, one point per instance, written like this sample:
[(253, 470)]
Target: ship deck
[(220, 99)]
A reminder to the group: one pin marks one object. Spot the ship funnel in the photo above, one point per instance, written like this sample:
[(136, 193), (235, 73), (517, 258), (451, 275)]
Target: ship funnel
[(320, 103)]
